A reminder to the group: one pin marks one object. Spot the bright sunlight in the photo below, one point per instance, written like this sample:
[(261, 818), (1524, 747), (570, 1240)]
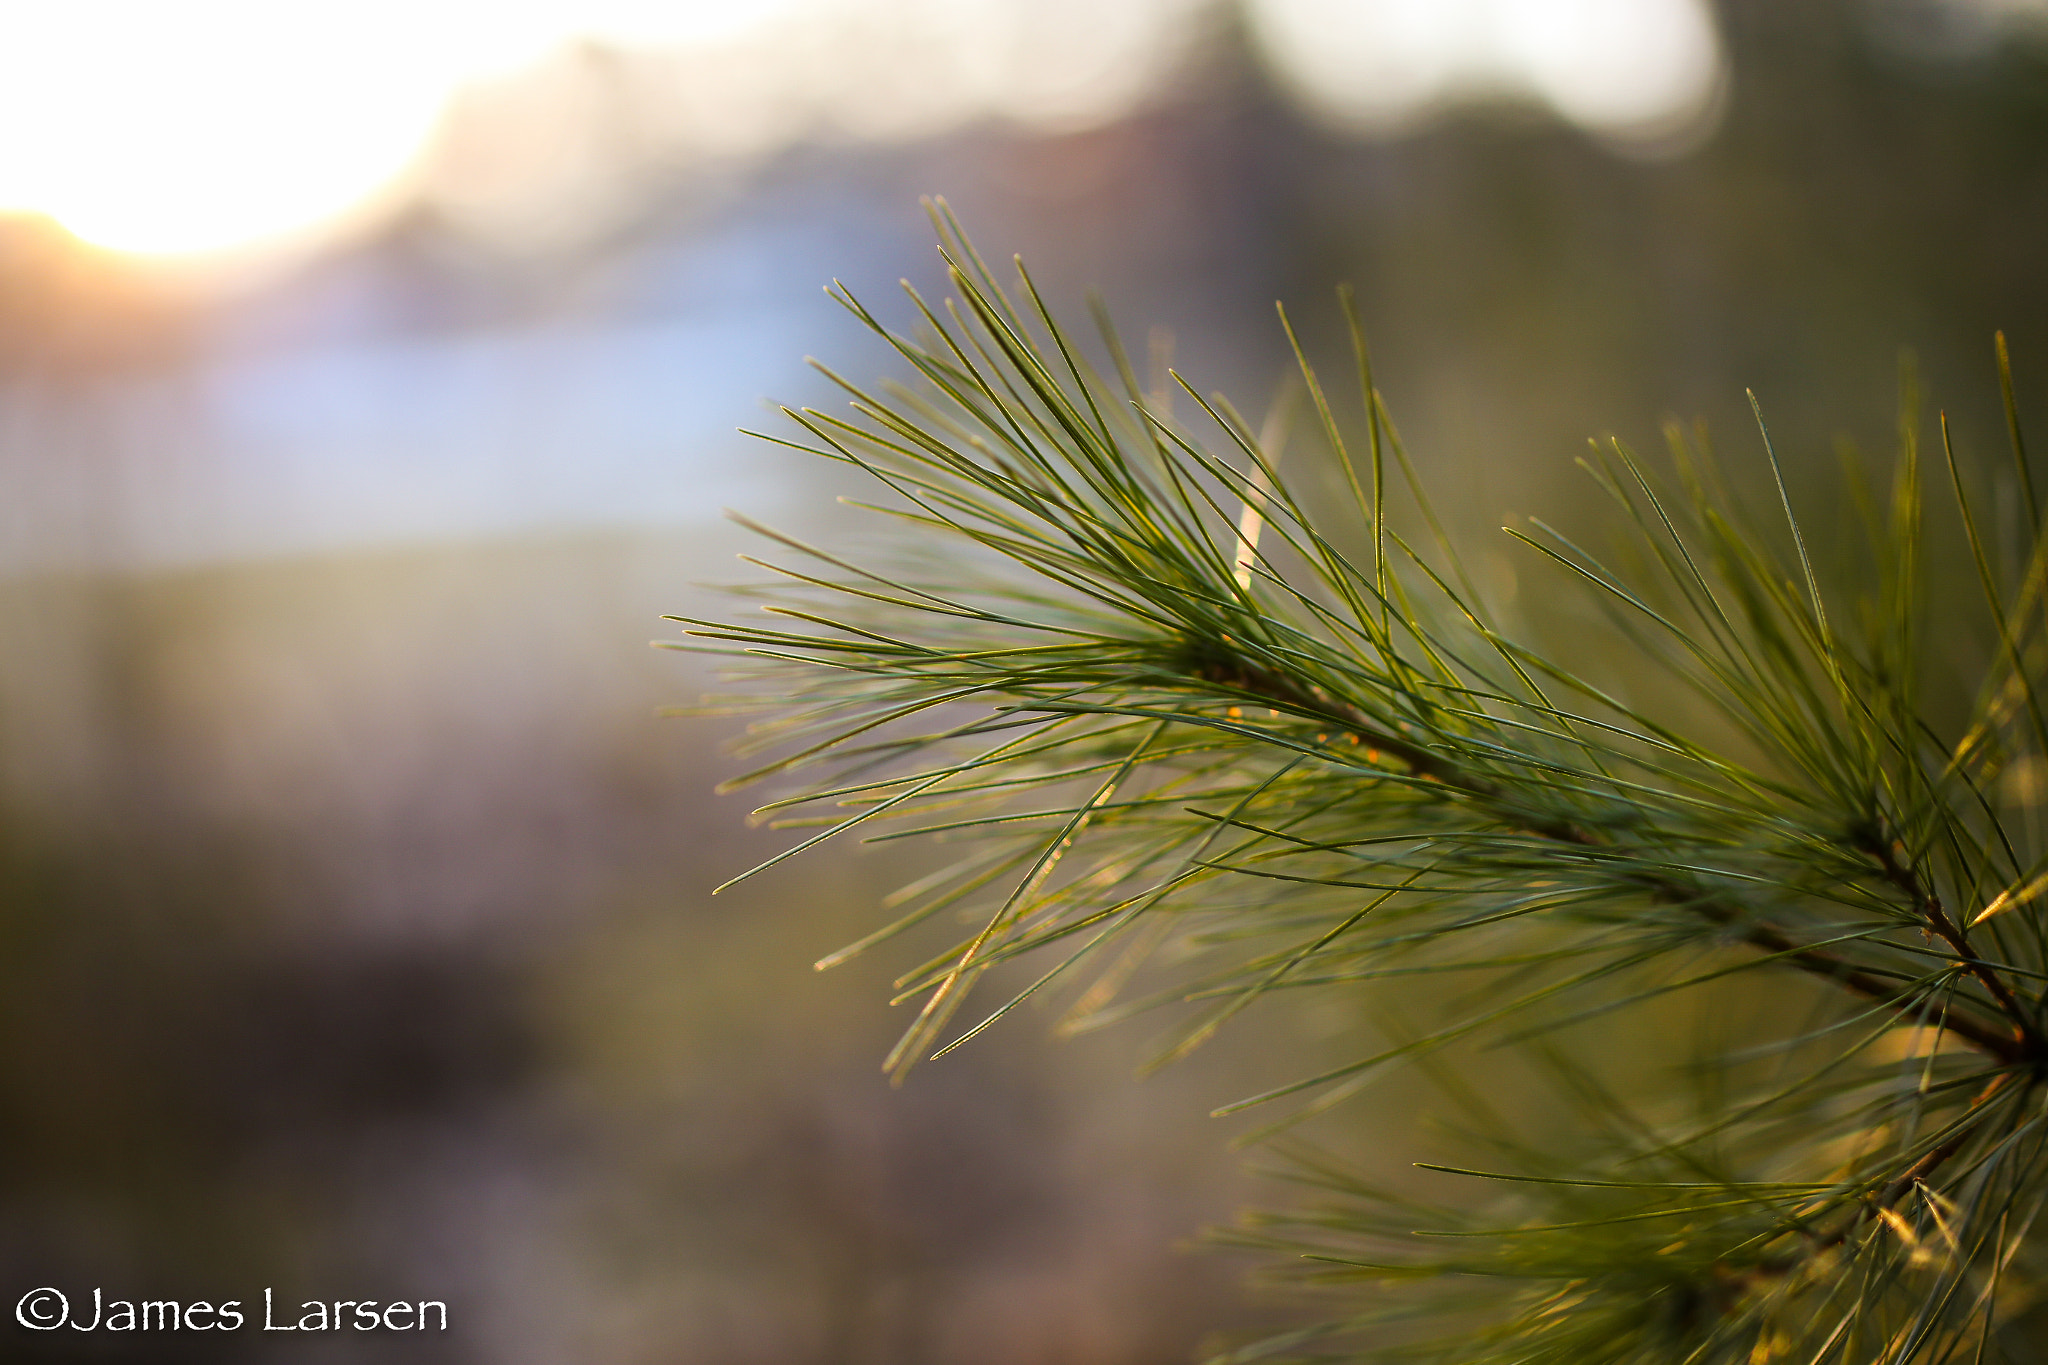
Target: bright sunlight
[(211, 125)]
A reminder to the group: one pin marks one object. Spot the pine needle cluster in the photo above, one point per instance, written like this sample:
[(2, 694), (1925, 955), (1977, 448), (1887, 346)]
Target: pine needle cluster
[(1182, 724)]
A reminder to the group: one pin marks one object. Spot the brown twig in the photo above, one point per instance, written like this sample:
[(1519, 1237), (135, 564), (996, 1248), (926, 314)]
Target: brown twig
[(1939, 923), (1930, 1161), (2017, 1046)]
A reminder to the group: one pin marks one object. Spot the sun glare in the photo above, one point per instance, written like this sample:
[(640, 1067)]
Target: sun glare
[(217, 129), (209, 126)]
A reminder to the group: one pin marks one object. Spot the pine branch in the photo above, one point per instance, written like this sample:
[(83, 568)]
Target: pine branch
[(2020, 1045), (2025, 1046), (1160, 697)]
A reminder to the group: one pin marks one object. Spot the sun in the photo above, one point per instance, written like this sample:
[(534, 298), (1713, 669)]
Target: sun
[(175, 127), (209, 124)]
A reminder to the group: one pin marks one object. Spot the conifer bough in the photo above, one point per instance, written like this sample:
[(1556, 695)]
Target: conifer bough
[(1188, 724)]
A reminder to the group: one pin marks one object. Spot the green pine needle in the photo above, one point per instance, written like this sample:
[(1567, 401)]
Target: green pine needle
[(1156, 695)]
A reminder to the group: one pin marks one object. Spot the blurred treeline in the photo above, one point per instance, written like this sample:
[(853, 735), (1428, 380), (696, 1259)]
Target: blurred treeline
[(355, 935)]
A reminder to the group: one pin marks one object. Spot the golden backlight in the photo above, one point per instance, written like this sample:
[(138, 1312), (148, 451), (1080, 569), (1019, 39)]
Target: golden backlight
[(180, 127)]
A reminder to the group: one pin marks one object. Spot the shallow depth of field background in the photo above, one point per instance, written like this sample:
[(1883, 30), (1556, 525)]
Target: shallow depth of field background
[(355, 927)]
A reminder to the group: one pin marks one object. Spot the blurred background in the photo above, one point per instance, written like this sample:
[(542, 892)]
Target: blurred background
[(369, 378)]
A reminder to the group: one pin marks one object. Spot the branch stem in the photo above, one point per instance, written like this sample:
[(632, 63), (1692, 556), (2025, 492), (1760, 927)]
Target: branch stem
[(2019, 1045), (1943, 927)]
